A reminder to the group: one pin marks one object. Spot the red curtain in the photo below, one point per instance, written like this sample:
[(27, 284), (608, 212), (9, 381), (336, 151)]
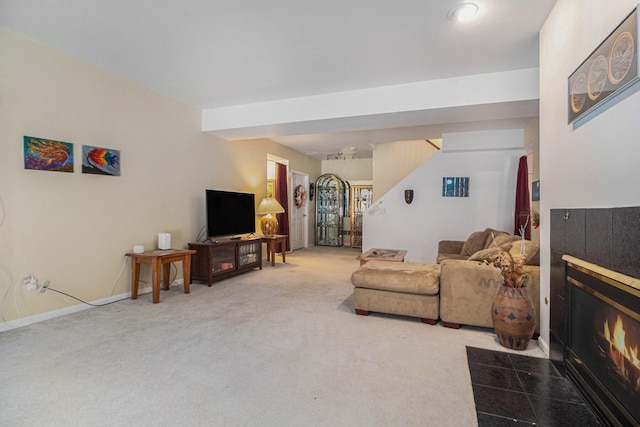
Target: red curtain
[(523, 207), (282, 196)]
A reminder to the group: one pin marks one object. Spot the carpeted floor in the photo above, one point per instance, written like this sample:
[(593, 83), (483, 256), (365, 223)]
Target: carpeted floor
[(280, 346)]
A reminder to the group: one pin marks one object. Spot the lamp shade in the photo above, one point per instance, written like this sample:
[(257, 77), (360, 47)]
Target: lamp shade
[(269, 205)]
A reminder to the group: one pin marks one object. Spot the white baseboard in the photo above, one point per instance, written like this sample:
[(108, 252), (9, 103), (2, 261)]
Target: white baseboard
[(543, 345), (24, 321)]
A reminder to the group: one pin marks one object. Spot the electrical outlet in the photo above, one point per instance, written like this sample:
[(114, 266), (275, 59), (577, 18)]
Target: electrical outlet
[(31, 282), (44, 286)]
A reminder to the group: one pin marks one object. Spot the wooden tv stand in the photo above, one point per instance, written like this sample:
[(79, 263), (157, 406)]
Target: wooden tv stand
[(218, 260)]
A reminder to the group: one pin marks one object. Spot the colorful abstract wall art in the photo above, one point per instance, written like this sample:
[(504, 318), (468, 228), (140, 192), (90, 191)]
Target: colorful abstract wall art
[(455, 187), (100, 161), (47, 155)]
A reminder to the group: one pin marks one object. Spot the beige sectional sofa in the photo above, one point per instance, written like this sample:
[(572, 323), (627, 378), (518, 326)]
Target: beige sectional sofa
[(459, 289)]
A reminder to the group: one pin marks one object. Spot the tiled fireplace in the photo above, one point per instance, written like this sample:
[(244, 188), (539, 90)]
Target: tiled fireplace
[(595, 307)]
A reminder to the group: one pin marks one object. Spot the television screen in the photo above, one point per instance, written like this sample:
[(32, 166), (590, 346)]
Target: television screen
[(230, 213)]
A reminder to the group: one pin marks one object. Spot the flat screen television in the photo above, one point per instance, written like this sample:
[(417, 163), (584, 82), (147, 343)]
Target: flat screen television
[(230, 213)]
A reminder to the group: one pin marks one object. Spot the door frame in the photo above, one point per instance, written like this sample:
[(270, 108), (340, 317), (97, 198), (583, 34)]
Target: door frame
[(305, 207)]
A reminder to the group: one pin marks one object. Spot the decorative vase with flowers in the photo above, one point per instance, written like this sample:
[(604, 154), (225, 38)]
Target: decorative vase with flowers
[(512, 312)]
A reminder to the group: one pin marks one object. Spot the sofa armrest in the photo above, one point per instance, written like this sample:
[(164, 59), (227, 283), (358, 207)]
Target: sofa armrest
[(468, 288), (450, 246)]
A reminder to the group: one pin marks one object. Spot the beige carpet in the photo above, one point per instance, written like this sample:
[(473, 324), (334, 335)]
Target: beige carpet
[(275, 347)]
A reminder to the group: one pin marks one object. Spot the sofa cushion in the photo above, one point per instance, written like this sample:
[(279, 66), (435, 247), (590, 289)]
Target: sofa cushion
[(487, 254), (496, 237), (407, 277), (474, 243), (531, 250), (489, 230), (504, 238)]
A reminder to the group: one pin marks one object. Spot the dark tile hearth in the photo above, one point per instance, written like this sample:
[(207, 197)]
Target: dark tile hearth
[(515, 389)]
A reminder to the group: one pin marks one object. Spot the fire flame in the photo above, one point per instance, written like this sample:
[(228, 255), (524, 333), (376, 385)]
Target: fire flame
[(619, 352)]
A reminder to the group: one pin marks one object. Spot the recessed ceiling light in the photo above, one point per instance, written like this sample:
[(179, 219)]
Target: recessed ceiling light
[(463, 12)]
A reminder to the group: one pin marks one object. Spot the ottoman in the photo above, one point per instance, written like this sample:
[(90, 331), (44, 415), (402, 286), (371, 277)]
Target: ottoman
[(403, 288)]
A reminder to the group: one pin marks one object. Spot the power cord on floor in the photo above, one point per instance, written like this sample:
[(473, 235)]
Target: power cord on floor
[(110, 302), (115, 283), (15, 303), (88, 303)]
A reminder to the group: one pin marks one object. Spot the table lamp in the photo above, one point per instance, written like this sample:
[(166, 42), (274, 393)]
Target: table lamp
[(269, 223)]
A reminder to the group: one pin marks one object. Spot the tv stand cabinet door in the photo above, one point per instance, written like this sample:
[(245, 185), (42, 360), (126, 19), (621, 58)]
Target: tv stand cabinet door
[(201, 262), (250, 254)]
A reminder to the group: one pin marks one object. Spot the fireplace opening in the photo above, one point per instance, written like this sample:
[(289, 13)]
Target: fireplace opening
[(604, 338)]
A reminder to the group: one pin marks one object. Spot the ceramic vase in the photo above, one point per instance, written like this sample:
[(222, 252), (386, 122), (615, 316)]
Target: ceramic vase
[(514, 317)]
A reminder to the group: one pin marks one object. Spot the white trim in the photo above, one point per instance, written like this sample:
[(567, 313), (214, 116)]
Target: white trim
[(305, 231), (276, 159), (543, 345)]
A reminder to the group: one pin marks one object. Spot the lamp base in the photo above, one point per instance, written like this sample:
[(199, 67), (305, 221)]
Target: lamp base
[(269, 225)]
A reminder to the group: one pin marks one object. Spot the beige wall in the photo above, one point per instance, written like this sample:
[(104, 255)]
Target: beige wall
[(254, 162), (74, 229), (393, 161), (253, 157)]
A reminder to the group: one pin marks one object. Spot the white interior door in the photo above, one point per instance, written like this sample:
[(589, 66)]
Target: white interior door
[(299, 213)]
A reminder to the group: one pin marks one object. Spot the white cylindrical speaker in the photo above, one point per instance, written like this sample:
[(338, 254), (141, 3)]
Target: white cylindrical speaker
[(164, 241)]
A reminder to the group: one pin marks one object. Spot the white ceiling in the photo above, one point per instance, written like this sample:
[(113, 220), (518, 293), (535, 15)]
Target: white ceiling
[(221, 53)]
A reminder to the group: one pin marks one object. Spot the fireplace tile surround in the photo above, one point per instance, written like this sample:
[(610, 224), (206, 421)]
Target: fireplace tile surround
[(608, 237)]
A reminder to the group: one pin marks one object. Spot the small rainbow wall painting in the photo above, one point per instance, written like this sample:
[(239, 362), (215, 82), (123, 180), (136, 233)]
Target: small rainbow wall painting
[(100, 161), (47, 155)]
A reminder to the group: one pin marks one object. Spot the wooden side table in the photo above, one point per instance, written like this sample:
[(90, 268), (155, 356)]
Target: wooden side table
[(157, 259), (271, 242)]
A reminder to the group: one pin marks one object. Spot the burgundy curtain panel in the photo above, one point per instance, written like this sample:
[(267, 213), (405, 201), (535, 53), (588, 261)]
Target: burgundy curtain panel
[(523, 205), (282, 196)]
